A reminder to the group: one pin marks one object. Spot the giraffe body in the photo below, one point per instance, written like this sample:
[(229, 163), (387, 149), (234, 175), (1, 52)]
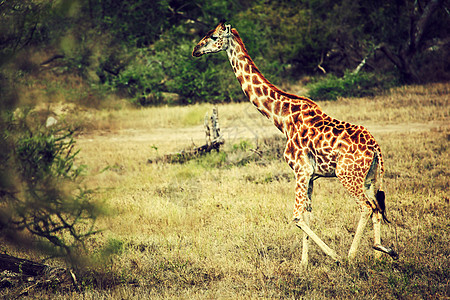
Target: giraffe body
[(317, 144)]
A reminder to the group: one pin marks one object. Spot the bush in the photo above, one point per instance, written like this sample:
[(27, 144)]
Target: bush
[(175, 77), (139, 80), (40, 185), (350, 85)]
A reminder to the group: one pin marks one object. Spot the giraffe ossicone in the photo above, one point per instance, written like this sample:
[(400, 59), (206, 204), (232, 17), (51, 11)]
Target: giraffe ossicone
[(317, 144)]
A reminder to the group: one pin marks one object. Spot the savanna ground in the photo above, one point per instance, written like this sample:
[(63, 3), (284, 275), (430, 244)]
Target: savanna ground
[(220, 226)]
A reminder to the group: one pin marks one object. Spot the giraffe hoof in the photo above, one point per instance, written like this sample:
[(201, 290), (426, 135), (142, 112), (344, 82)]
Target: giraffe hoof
[(393, 254), (386, 250)]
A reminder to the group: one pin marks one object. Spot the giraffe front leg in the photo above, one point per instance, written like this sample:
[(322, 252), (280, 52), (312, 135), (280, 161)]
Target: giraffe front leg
[(302, 206), (301, 216), (306, 217), (302, 209), (304, 262), (303, 226)]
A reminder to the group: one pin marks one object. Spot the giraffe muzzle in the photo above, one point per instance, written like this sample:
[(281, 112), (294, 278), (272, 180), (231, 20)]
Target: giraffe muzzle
[(196, 52)]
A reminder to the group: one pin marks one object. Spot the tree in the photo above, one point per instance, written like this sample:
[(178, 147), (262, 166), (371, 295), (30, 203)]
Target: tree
[(311, 36), (40, 184), (418, 39), (20, 25)]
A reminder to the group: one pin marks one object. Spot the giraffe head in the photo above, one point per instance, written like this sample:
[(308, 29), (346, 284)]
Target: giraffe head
[(215, 40)]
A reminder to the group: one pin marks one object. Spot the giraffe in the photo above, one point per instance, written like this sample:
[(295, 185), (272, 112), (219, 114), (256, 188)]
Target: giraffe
[(317, 144)]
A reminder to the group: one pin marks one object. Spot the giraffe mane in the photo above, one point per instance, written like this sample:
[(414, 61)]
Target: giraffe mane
[(209, 33), (264, 79)]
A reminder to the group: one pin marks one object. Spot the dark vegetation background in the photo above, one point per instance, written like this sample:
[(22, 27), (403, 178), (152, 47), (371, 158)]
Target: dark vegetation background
[(142, 49), (88, 50)]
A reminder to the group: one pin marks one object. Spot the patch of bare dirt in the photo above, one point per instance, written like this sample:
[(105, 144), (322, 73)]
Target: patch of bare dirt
[(237, 132)]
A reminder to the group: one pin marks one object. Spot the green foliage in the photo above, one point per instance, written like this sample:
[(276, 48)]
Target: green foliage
[(350, 85), (44, 194), (156, 77), (238, 154), (139, 80), (212, 160), (285, 33), (21, 25), (142, 49), (137, 23), (113, 246), (30, 23), (309, 34), (243, 145)]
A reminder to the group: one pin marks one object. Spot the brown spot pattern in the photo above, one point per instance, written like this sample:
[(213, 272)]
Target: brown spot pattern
[(337, 147)]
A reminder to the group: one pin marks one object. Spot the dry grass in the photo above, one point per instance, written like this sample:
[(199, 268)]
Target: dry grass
[(218, 228)]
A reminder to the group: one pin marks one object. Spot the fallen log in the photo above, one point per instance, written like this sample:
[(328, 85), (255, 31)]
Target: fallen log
[(185, 155), (39, 275), (22, 266)]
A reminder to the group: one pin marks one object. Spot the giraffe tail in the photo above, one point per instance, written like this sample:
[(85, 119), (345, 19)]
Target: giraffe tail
[(377, 173), (380, 196)]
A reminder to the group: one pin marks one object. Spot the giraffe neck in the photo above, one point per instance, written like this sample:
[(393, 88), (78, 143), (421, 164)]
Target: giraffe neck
[(268, 99)]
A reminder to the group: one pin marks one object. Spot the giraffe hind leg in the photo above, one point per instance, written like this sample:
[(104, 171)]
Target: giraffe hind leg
[(373, 187), (376, 218), (378, 199), (365, 215)]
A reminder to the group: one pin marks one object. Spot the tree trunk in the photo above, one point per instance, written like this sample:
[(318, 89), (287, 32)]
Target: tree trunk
[(403, 64), (403, 59)]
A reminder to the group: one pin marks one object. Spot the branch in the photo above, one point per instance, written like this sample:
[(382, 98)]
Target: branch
[(319, 66), (107, 70), (364, 61), (54, 57), (418, 30), (182, 15), (393, 58)]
